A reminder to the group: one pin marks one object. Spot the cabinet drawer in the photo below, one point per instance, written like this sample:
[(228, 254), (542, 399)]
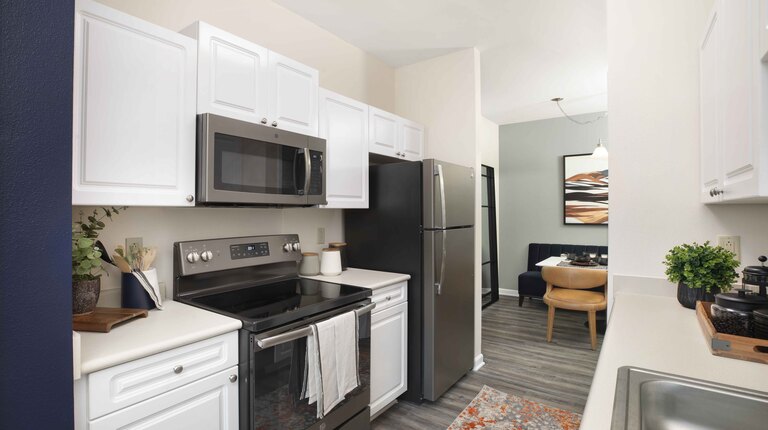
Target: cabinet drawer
[(390, 296), (207, 404), (130, 383)]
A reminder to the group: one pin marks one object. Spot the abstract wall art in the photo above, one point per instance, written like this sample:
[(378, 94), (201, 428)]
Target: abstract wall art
[(585, 190)]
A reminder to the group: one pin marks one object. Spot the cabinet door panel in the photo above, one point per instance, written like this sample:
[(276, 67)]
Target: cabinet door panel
[(210, 403), (293, 95), (134, 116), (344, 126), (737, 62), (710, 120), (383, 133), (389, 342), (233, 75), (412, 142)]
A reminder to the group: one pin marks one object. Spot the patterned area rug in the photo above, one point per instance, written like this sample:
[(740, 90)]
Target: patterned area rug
[(492, 409)]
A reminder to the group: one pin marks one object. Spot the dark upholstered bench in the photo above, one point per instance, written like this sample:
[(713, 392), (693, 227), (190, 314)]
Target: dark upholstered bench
[(530, 283)]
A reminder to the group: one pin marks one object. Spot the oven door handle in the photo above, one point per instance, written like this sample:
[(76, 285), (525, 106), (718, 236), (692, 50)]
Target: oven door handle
[(271, 341)]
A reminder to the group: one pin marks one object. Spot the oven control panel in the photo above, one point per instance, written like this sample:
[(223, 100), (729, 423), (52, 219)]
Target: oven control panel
[(249, 250), (202, 256)]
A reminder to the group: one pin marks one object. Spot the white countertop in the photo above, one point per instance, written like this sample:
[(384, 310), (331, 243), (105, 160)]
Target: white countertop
[(655, 332), (364, 278), (177, 325)]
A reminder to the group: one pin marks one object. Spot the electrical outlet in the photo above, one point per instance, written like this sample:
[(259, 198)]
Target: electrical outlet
[(731, 243), (321, 235), (133, 241)]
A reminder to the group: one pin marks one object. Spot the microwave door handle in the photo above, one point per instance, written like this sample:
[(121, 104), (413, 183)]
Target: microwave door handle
[(307, 170), (301, 332)]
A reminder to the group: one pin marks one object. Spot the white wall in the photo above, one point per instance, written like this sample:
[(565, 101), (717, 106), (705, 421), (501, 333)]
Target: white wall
[(344, 68), (443, 93), (653, 140)]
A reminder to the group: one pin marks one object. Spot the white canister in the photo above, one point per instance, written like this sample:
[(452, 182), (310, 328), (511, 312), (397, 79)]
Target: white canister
[(330, 264), (310, 264)]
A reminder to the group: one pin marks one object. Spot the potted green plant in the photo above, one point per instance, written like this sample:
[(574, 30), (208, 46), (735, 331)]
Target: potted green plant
[(701, 271), (87, 258)]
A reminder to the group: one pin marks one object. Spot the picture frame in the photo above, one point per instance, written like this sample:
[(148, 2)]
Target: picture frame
[(585, 190)]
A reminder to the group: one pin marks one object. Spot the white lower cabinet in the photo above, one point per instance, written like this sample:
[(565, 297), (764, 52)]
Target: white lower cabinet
[(193, 387), (207, 404), (389, 346)]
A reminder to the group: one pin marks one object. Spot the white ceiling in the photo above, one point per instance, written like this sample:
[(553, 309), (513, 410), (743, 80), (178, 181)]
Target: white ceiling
[(531, 50)]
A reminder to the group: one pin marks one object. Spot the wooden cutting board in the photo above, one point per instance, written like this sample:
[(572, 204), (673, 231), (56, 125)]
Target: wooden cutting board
[(103, 319)]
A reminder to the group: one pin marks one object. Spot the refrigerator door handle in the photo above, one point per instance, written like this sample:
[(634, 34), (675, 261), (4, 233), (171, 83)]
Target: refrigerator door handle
[(439, 283), (440, 175)]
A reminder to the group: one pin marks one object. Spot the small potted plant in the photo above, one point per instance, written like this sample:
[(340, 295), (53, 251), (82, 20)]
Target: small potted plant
[(86, 260), (701, 271)]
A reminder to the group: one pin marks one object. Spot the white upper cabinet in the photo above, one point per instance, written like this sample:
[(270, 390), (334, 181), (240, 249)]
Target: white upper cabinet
[(383, 133), (292, 95), (232, 74), (344, 126), (709, 88), (134, 111), (394, 136), (764, 29), (733, 103), (412, 140), (240, 79)]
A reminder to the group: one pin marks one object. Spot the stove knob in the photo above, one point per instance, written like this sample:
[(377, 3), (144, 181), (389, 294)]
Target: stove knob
[(206, 255), (193, 257), (287, 247), (296, 246)]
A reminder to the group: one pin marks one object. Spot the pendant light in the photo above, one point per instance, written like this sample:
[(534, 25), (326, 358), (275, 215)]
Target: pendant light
[(600, 151)]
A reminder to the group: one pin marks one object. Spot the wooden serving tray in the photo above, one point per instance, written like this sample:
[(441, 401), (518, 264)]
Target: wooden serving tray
[(728, 345), (103, 319)]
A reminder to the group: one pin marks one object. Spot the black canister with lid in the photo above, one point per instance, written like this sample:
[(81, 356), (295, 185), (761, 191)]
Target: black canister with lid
[(732, 313)]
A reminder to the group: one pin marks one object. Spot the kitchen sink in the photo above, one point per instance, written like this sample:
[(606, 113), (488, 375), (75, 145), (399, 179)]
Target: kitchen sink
[(649, 400)]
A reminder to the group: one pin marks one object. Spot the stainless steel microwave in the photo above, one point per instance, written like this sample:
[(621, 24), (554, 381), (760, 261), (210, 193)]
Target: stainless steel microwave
[(241, 163)]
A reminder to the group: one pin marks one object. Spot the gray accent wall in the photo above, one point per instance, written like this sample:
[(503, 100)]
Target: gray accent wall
[(531, 190)]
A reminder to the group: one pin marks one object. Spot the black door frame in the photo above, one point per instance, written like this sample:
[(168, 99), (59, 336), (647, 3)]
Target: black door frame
[(490, 178)]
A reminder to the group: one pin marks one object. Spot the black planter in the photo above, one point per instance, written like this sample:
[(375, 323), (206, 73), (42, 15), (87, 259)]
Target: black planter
[(85, 294), (689, 296)]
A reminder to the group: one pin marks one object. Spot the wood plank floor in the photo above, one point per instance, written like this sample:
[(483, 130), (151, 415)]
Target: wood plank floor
[(519, 361)]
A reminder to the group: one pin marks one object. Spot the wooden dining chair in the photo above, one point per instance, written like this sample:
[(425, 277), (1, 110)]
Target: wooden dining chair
[(567, 289)]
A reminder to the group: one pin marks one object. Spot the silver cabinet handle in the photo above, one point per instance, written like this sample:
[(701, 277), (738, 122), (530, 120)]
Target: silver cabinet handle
[(232, 378), (178, 369), (711, 192), (190, 198), (274, 123), (389, 298), (263, 120)]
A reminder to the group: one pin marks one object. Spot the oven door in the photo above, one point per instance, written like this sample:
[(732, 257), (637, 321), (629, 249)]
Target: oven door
[(250, 164), (271, 397)]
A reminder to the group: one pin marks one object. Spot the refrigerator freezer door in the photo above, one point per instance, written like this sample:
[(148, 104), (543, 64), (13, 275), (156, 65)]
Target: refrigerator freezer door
[(449, 330), (450, 185)]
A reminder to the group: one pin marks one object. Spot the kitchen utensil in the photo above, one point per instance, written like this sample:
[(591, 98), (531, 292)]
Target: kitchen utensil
[(121, 263), (342, 246), (149, 258), (330, 264), (310, 264), (104, 254)]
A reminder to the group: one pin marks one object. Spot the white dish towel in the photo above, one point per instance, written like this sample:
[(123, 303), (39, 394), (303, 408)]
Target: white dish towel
[(331, 368)]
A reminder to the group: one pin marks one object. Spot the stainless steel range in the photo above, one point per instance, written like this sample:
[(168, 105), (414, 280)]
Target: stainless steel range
[(255, 280)]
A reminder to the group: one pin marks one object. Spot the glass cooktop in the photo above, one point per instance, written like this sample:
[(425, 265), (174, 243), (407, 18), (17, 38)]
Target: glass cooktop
[(267, 306)]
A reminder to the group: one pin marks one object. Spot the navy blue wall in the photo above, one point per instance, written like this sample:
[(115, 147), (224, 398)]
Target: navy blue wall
[(36, 38)]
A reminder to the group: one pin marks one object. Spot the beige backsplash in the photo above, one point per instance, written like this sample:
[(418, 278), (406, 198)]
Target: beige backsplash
[(161, 227)]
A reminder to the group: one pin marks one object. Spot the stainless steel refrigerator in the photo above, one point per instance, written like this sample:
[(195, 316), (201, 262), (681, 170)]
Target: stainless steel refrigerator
[(420, 221)]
